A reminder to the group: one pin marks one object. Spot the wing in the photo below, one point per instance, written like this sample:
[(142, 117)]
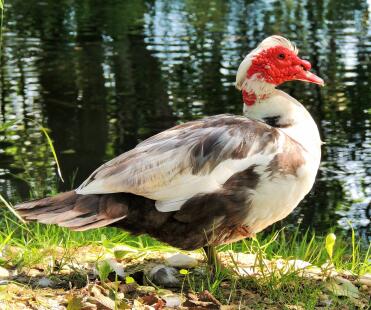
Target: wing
[(192, 158)]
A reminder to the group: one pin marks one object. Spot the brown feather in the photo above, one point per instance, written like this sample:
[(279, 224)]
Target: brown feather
[(205, 219), (77, 212)]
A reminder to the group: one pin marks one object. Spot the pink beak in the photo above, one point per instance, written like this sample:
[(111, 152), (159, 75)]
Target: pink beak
[(306, 75)]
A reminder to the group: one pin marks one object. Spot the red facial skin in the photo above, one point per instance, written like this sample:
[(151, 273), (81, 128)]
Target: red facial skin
[(277, 65), (250, 98)]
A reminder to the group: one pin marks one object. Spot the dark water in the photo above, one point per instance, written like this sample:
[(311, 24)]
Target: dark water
[(103, 75)]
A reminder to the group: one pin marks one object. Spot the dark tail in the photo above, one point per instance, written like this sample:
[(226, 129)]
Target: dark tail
[(77, 212)]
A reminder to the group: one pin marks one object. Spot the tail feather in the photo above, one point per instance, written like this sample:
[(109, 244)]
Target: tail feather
[(77, 212)]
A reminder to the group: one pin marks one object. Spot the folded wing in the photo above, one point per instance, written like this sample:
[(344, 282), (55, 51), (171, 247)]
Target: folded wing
[(188, 159)]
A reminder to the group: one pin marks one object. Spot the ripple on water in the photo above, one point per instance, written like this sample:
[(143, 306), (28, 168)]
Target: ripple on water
[(149, 66)]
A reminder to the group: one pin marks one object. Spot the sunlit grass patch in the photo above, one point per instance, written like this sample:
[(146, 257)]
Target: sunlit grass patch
[(73, 259)]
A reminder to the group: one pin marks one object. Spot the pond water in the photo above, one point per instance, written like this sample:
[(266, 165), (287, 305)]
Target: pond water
[(102, 76)]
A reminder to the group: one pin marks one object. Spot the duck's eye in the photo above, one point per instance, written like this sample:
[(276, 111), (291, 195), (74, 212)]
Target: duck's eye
[(281, 56)]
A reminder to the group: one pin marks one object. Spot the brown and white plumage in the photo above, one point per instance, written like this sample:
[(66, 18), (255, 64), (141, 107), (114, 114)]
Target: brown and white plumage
[(190, 159), (209, 181)]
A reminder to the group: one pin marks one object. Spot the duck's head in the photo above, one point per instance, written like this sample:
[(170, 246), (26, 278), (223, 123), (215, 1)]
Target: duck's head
[(272, 63)]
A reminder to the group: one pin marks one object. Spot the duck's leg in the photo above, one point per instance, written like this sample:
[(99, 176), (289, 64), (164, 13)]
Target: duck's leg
[(212, 259), (213, 264), (236, 234)]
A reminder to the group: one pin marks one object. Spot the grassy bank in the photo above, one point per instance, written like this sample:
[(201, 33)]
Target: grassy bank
[(49, 248), (349, 253)]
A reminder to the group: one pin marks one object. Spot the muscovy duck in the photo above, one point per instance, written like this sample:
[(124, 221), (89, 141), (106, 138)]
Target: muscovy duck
[(210, 181)]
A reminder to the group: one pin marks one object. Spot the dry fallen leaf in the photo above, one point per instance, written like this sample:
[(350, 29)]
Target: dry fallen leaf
[(342, 287), (153, 300), (230, 307), (74, 302), (102, 301), (181, 260), (365, 279), (294, 307), (207, 296), (172, 300), (127, 288)]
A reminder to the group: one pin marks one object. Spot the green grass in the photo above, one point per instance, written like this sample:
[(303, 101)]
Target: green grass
[(36, 241), (349, 254)]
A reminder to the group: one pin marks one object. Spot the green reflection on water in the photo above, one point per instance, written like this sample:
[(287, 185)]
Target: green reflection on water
[(103, 77)]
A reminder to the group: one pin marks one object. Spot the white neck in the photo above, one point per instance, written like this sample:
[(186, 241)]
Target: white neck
[(291, 116), (258, 87)]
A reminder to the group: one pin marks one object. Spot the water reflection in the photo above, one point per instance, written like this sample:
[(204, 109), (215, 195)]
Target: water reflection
[(104, 77)]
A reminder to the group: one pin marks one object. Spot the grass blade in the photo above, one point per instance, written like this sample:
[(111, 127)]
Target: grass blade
[(53, 151), (10, 207), (7, 125)]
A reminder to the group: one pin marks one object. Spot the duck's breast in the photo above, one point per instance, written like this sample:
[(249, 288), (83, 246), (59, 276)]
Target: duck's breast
[(283, 183)]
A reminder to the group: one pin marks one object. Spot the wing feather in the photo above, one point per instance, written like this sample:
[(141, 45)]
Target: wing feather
[(195, 157)]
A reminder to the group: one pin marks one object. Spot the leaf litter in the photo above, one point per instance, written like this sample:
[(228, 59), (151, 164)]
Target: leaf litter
[(79, 283)]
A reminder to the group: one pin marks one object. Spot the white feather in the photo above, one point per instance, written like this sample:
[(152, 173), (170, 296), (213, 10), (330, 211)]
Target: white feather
[(171, 198)]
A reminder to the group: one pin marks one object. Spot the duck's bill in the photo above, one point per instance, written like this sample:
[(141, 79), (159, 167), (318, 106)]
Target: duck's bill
[(310, 77)]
